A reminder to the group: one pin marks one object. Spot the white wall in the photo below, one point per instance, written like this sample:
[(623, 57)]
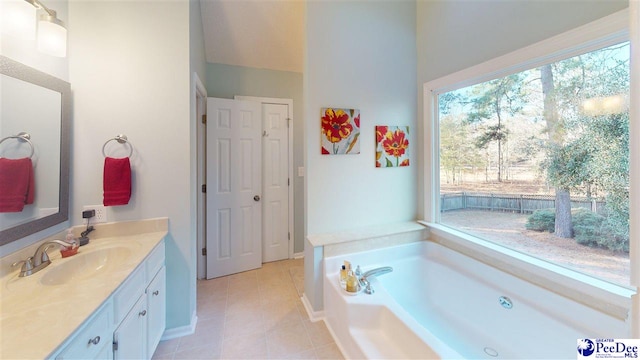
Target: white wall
[(359, 55), (129, 72)]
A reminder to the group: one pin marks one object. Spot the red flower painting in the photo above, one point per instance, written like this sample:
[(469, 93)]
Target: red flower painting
[(340, 131), (393, 146)]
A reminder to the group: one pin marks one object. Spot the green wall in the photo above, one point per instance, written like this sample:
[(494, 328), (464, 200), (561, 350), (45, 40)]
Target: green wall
[(226, 81)]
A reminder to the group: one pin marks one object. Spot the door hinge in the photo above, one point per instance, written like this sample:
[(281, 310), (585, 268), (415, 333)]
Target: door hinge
[(115, 346), (288, 122), (289, 236), (204, 119), (288, 182), (204, 251), (204, 188)]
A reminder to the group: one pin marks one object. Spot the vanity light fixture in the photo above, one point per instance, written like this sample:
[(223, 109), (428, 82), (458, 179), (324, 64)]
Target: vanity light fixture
[(19, 18)]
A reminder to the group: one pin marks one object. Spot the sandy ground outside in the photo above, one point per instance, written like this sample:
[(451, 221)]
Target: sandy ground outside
[(509, 230)]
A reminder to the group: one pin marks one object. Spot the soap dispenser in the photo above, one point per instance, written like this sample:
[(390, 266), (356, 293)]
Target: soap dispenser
[(352, 282), (71, 250)]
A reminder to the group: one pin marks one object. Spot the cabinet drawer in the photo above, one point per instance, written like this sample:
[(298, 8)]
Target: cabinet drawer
[(90, 341), (155, 261), (128, 293)]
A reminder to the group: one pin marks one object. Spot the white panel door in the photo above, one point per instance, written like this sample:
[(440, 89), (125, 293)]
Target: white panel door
[(234, 181), (275, 150)]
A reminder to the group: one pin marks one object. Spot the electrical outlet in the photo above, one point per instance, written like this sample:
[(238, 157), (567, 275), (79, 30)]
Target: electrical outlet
[(101, 213)]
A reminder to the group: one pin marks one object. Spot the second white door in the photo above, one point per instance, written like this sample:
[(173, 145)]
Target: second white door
[(275, 184)]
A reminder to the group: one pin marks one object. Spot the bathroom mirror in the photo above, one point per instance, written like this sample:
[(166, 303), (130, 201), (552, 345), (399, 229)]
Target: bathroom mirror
[(39, 104)]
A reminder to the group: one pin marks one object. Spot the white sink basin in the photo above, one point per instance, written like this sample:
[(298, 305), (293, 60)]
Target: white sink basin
[(84, 266)]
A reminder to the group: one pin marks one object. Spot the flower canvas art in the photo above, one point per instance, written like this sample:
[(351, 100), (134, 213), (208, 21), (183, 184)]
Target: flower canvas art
[(392, 147), (340, 131)]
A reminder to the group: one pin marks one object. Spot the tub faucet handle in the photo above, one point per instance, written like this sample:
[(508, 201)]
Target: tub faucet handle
[(369, 290)]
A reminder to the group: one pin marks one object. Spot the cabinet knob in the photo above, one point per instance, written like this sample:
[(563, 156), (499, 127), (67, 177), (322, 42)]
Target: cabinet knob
[(95, 340), (142, 313), (156, 292)]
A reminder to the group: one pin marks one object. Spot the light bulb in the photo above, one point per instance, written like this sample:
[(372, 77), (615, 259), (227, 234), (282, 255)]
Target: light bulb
[(52, 36), (18, 18)]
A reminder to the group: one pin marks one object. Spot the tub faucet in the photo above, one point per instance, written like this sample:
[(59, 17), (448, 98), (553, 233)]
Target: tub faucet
[(364, 280), (40, 259)]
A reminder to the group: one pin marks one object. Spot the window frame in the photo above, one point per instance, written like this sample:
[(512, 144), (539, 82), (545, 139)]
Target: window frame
[(610, 298)]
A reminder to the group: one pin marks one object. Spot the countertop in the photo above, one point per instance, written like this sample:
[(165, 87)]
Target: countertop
[(368, 232), (35, 319)]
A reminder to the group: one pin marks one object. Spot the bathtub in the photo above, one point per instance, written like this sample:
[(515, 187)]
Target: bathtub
[(441, 304)]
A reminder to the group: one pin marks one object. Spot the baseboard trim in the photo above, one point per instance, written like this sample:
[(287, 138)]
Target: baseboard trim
[(314, 316), (299, 255), (181, 330)]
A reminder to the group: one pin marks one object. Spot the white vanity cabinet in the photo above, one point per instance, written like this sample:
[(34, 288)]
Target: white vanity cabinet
[(130, 322)]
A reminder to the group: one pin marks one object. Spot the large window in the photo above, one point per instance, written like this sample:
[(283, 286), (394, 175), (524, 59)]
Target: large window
[(538, 161)]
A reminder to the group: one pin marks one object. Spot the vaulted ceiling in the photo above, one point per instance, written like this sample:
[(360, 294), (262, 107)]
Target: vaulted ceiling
[(265, 34)]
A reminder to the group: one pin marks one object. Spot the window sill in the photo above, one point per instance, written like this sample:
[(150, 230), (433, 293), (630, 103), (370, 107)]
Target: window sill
[(612, 299)]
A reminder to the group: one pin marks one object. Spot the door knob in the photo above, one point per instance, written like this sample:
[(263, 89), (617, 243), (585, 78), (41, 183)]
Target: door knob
[(256, 198)]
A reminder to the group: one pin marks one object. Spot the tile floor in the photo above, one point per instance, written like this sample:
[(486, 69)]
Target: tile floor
[(253, 315)]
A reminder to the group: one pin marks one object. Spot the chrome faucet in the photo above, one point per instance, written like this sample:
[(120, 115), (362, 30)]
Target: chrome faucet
[(364, 280), (40, 259)]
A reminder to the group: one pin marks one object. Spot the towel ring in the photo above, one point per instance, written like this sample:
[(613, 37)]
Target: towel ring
[(22, 137), (122, 139)]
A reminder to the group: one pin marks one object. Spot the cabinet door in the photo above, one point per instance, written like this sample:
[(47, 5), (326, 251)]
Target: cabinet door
[(93, 340), (130, 338), (156, 301)]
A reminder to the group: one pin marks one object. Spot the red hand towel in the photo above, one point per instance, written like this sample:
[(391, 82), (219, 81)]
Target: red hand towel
[(116, 181), (17, 184)]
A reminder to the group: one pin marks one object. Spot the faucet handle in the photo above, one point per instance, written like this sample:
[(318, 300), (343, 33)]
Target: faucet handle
[(358, 272), (44, 257), (27, 265)]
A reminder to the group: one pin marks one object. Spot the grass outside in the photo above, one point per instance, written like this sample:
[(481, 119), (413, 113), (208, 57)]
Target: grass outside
[(508, 229)]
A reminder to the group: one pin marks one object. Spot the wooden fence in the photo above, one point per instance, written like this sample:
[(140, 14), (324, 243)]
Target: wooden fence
[(518, 203)]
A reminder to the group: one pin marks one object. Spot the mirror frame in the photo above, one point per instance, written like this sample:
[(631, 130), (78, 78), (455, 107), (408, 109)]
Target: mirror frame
[(23, 72)]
